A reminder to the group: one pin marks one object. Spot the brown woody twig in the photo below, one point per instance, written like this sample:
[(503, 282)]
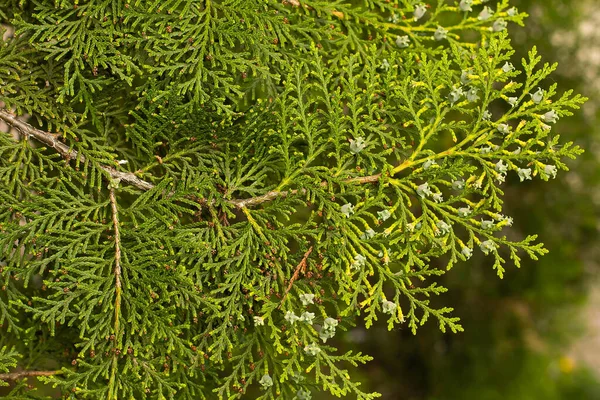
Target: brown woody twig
[(117, 272), (300, 268), (66, 152), (13, 376)]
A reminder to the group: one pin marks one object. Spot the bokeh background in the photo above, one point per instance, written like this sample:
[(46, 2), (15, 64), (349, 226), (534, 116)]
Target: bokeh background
[(535, 334)]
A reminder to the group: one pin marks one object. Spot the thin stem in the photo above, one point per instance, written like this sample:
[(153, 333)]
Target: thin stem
[(67, 153), (13, 376), (272, 195), (117, 272), (253, 201), (364, 179), (300, 268)]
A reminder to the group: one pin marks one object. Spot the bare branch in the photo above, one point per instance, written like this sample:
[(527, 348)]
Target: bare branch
[(66, 152), (300, 268), (117, 269), (117, 272), (13, 376), (253, 201), (364, 179)]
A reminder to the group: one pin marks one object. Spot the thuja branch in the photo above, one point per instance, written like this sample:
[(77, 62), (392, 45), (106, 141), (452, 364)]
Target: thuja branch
[(13, 376), (66, 152), (194, 306)]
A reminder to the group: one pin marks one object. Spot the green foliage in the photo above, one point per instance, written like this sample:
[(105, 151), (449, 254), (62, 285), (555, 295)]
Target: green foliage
[(247, 179), (8, 360)]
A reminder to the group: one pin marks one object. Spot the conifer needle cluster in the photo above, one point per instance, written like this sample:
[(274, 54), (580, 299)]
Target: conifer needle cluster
[(199, 197)]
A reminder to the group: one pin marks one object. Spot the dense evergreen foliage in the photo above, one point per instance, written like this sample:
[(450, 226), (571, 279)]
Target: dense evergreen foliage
[(208, 191)]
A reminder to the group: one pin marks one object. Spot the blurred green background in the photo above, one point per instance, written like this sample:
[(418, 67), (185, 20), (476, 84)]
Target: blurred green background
[(535, 334)]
